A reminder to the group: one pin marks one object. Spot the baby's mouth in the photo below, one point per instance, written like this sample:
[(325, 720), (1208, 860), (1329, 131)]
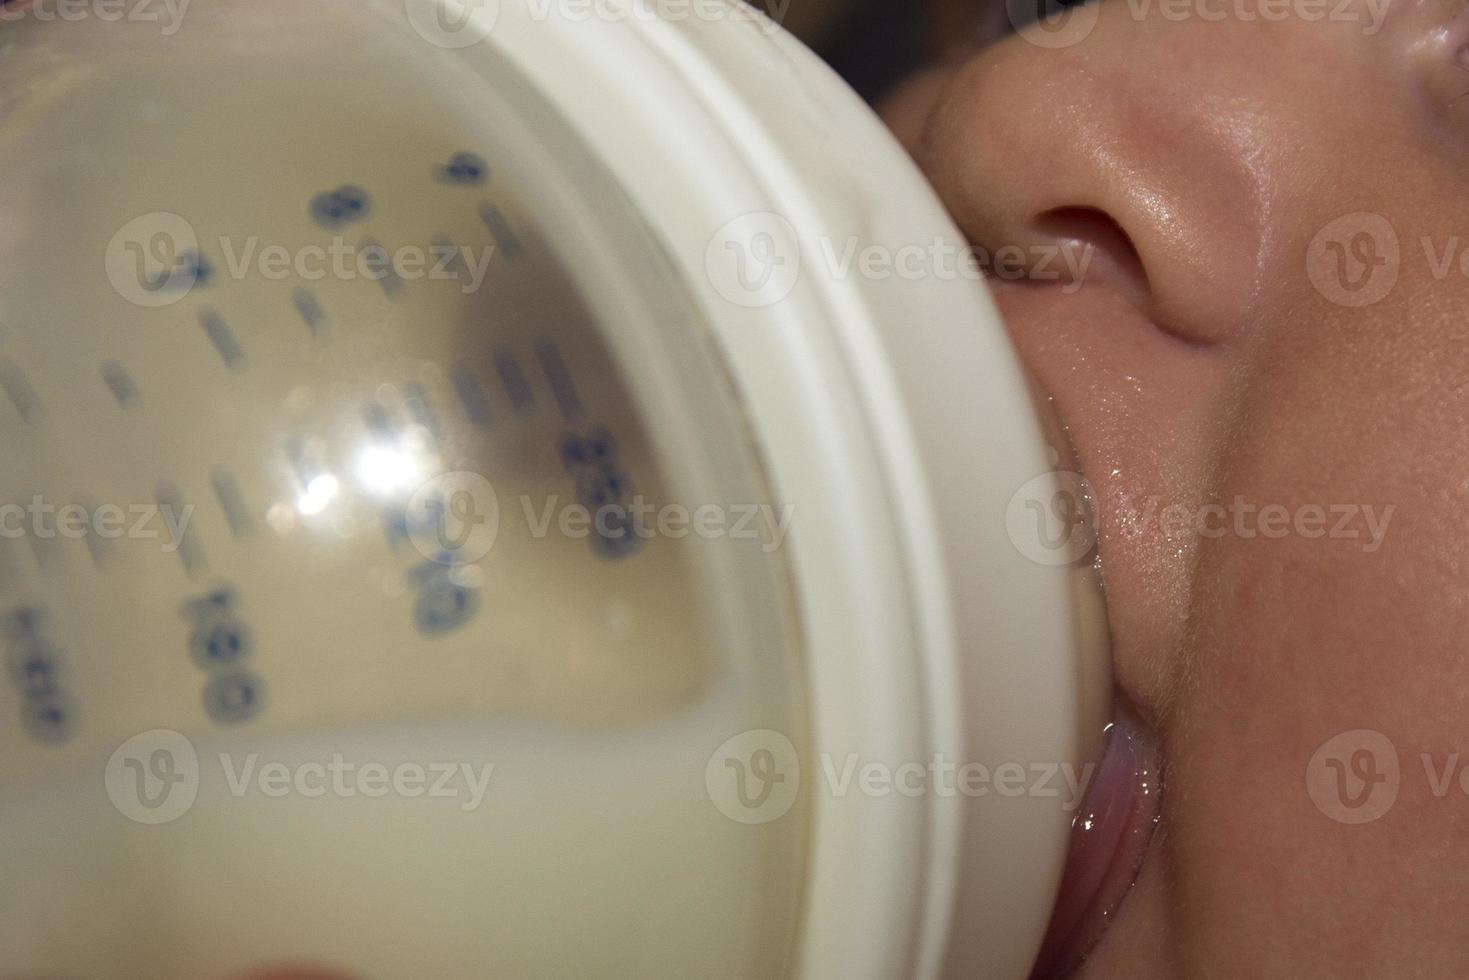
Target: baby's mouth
[(1109, 836)]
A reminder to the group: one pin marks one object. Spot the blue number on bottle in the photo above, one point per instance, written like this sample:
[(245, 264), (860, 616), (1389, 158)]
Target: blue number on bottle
[(443, 604), (465, 168), (51, 719), (346, 204), (233, 697), (35, 667), (222, 644)]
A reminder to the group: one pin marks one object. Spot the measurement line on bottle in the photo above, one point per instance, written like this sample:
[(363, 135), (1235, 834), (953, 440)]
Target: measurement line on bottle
[(568, 399), (18, 389), (187, 545), (120, 383), (310, 309), (420, 406), (472, 396), (522, 399), (232, 501), (223, 339), (500, 230)]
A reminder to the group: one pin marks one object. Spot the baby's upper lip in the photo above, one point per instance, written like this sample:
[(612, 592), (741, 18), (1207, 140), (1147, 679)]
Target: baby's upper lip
[(1134, 402)]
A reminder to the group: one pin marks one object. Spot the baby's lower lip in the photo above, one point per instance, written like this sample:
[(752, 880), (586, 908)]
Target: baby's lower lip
[(1109, 836)]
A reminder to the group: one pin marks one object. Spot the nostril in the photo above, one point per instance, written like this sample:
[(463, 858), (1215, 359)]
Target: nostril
[(1101, 250), (1097, 251)]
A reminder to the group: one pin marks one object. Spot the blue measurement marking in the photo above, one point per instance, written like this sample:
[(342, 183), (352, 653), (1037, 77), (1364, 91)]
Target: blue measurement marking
[(18, 389), (465, 168), (500, 230), (296, 453), (421, 407), (443, 604), (100, 547), (559, 378), (521, 397), (304, 459), (376, 417), (380, 267), (346, 204), (23, 622), (310, 310), (50, 720), (47, 550), (597, 447), (9, 565), (181, 273), (220, 602), (197, 269), (234, 697), (35, 666), (472, 395), (223, 338), (177, 519), (220, 644), (121, 383), (232, 502)]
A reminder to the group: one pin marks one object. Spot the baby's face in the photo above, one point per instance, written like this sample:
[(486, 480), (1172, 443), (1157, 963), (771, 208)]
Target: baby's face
[(1266, 377)]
